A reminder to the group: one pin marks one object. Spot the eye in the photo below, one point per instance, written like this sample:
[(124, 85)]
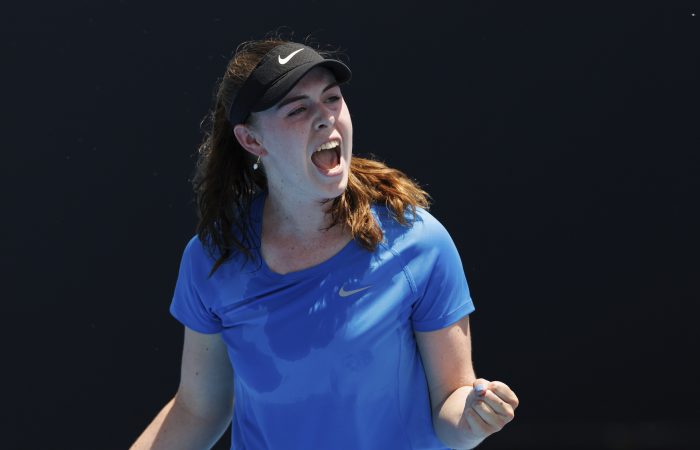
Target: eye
[(294, 112), (333, 98)]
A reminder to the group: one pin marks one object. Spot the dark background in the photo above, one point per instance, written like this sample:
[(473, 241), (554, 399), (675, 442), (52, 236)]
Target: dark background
[(559, 142)]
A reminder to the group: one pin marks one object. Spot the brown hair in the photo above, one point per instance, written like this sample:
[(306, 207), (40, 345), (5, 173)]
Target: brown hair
[(225, 183)]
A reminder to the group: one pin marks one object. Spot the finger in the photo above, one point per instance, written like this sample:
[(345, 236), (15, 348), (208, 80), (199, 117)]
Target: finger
[(479, 387), (494, 420), (504, 392), (476, 423), (499, 406)]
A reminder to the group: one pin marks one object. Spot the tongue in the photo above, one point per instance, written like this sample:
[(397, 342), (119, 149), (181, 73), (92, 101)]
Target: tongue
[(325, 159)]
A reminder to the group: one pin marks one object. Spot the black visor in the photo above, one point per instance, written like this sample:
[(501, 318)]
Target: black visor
[(276, 74)]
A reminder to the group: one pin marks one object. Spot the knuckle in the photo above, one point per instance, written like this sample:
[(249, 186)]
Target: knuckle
[(496, 385), (516, 402)]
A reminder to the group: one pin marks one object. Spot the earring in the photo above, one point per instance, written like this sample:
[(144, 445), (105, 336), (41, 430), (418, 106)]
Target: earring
[(257, 164)]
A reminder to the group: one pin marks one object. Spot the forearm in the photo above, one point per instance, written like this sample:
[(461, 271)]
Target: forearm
[(449, 425), (176, 428)]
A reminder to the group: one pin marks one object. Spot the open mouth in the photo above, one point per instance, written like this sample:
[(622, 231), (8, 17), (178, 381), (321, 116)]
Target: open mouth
[(327, 156)]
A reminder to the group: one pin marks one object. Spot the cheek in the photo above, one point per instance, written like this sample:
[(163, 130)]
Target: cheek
[(286, 141), (345, 120), (345, 112)]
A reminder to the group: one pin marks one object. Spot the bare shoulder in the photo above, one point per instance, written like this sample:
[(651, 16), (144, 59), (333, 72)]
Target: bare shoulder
[(206, 375)]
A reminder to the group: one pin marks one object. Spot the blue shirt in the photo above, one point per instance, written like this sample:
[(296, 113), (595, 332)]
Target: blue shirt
[(325, 357)]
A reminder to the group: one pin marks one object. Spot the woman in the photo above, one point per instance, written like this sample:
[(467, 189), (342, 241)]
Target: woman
[(318, 291)]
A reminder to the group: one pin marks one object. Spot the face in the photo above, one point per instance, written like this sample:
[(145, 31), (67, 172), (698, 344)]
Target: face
[(305, 140)]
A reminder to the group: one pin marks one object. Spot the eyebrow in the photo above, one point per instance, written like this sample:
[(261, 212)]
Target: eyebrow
[(300, 97)]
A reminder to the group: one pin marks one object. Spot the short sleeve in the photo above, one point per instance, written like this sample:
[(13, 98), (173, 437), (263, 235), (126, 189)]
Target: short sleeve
[(443, 292), (188, 304)]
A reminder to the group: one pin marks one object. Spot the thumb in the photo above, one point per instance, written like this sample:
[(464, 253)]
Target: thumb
[(478, 391)]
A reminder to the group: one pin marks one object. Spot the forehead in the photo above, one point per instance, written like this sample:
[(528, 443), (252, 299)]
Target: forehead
[(316, 78)]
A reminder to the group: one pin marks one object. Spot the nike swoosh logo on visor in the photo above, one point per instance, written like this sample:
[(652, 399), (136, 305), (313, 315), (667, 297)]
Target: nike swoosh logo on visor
[(344, 293), (286, 60)]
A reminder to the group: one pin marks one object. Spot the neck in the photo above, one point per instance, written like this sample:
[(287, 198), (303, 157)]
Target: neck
[(296, 219)]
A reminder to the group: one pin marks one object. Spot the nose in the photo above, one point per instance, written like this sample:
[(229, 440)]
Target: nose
[(325, 119)]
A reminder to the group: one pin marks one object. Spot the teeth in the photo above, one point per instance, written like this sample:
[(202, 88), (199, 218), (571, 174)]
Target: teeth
[(328, 145)]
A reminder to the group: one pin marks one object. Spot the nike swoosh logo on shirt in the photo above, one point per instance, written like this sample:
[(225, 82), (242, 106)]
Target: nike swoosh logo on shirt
[(344, 293), (286, 60)]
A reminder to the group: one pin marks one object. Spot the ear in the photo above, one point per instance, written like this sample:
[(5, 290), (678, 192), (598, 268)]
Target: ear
[(248, 139)]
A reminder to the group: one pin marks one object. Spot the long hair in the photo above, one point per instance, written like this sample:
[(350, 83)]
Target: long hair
[(225, 183)]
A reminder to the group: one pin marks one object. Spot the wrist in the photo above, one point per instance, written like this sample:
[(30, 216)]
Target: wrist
[(450, 424)]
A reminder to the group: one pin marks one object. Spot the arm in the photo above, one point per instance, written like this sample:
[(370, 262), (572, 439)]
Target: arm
[(200, 411), (462, 416)]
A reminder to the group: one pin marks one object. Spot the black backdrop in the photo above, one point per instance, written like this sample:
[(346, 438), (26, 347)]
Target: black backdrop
[(558, 140)]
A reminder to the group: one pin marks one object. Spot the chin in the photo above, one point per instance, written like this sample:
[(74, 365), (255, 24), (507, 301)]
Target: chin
[(334, 191)]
